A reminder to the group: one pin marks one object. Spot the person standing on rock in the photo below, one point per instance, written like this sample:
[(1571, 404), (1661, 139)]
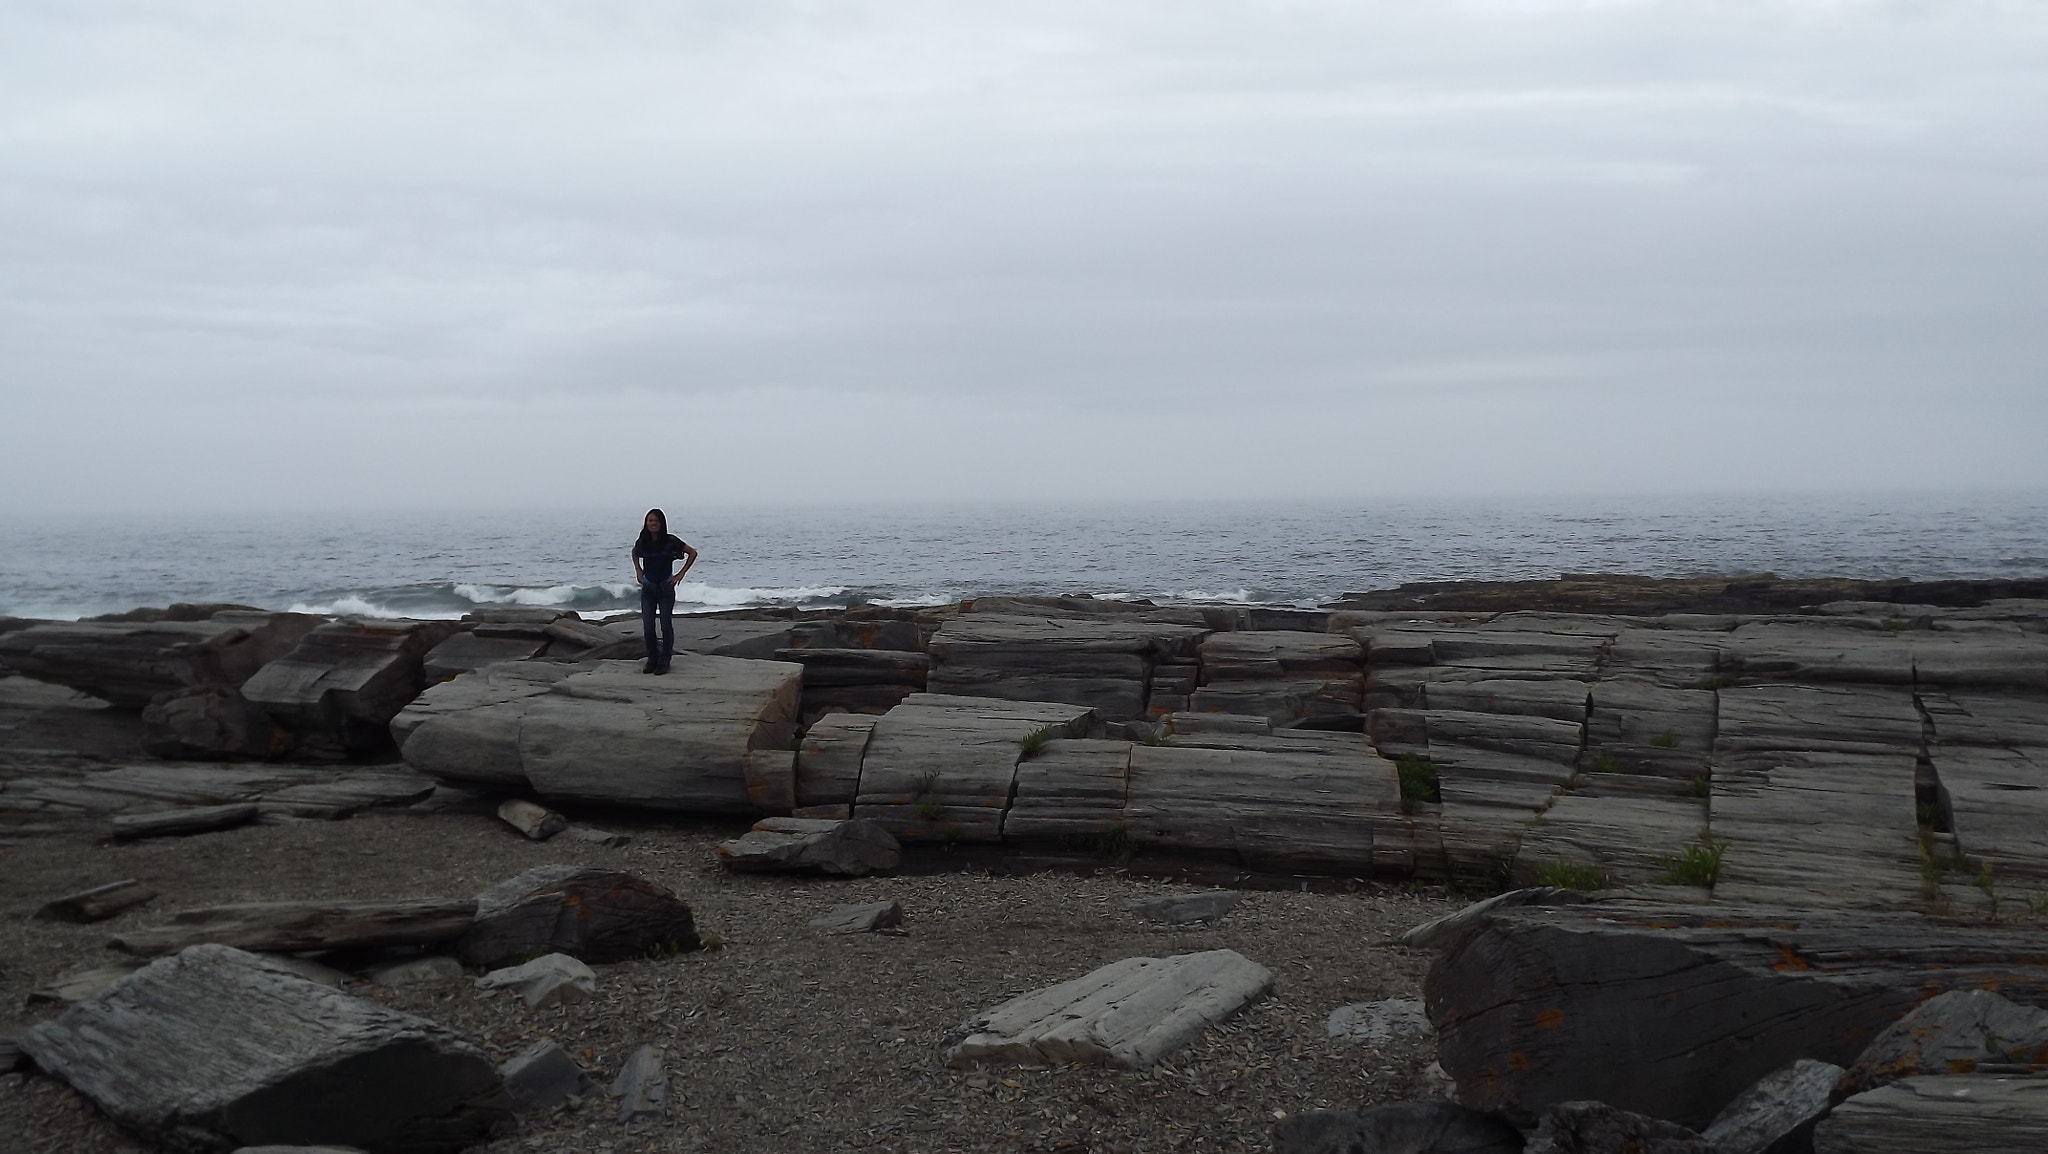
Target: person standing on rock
[(654, 554)]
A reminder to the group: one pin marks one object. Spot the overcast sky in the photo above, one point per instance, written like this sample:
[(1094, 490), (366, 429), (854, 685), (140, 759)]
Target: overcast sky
[(496, 253)]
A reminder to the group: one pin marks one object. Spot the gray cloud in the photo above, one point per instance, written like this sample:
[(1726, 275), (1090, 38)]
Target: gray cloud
[(256, 255)]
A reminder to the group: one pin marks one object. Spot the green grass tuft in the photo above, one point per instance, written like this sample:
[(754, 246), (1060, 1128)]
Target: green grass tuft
[(926, 780), (1571, 875), (1718, 681), (1115, 841), (1697, 864), (930, 811), (1034, 742), (1606, 764), (1666, 740), (1703, 784), (1418, 781)]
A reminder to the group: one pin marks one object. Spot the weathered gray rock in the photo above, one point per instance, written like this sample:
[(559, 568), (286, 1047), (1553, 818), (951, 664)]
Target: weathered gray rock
[(466, 651), (1978, 1113), (1192, 722), (79, 985), (1127, 1014), (852, 848), (1953, 1033), (1303, 799), (828, 762), (542, 1077), (1282, 701), (1403, 1128), (864, 918), (1072, 788), (1629, 839), (942, 768), (338, 689), (1535, 1006), (595, 914), (294, 927), (96, 904), (130, 662), (1597, 1128), (544, 981), (1381, 1021), (1279, 654), (182, 822), (604, 837), (1777, 1115), (210, 722), (714, 736), (537, 822), (217, 1048), (1181, 909), (429, 971), (1997, 801), (1098, 662), (642, 1085), (345, 794)]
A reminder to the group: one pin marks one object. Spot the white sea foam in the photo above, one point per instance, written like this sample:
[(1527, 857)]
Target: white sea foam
[(697, 593), (915, 601), (355, 605)]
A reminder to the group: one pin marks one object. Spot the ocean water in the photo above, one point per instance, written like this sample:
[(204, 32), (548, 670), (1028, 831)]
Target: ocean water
[(444, 564)]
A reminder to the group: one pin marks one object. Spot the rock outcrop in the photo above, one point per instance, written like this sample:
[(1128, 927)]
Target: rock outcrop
[(130, 662)]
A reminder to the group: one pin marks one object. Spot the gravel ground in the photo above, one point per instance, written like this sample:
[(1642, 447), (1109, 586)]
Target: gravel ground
[(784, 1038)]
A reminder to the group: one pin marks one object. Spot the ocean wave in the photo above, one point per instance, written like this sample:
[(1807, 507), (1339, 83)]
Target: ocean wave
[(913, 601), (699, 594), (353, 605)]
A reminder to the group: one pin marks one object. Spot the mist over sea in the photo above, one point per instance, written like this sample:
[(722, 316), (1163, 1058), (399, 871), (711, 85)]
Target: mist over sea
[(444, 564)]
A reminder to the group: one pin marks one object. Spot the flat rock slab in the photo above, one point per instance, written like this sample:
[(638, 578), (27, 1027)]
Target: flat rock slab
[(544, 981), (79, 985), (595, 914), (854, 847), (291, 927), (1299, 799), (129, 662), (939, 767), (864, 918), (1127, 1014), (182, 822), (1182, 909), (642, 1085), (217, 1048), (97, 903), (1070, 788), (1980, 1113)]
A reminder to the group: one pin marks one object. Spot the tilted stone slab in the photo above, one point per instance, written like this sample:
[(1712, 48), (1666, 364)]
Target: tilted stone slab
[(1071, 788), (1128, 1014), (1980, 1113), (1998, 802), (128, 662), (939, 767), (339, 688), (1299, 798), (1540, 1006), (854, 847), (217, 1048), (829, 759)]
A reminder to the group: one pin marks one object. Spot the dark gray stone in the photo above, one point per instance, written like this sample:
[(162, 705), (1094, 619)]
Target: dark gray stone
[(543, 1077), (1180, 909), (1403, 1128), (854, 847), (1597, 1128), (642, 1085), (864, 918), (1777, 1115), (595, 914)]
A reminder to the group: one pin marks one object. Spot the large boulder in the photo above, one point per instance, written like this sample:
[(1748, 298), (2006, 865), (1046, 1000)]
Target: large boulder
[(339, 688), (216, 1048), (1540, 1005), (714, 735), (130, 662), (595, 914)]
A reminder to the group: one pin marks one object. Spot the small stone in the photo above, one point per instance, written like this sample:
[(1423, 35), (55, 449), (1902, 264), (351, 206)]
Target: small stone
[(603, 837), (1379, 1021), (416, 972), (642, 1085), (542, 1078), (544, 981), (535, 821), (865, 918), (1182, 909)]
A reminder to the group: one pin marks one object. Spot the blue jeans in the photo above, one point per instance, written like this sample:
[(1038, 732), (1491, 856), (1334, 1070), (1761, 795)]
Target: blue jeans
[(662, 596)]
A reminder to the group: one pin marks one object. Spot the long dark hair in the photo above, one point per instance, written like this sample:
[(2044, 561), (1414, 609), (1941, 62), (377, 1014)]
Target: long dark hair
[(648, 541)]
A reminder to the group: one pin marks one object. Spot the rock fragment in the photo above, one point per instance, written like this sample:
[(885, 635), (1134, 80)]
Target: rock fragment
[(642, 1085), (1379, 1021), (598, 915), (1127, 1014), (544, 981), (96, 904), (543, 1077), (1181, 909), (537, 822), (1778, 1113), (864, 918), (1953, 1033), (854, 847)]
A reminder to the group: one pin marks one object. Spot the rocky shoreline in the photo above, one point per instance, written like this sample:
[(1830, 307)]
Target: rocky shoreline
[(1743, 824)]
